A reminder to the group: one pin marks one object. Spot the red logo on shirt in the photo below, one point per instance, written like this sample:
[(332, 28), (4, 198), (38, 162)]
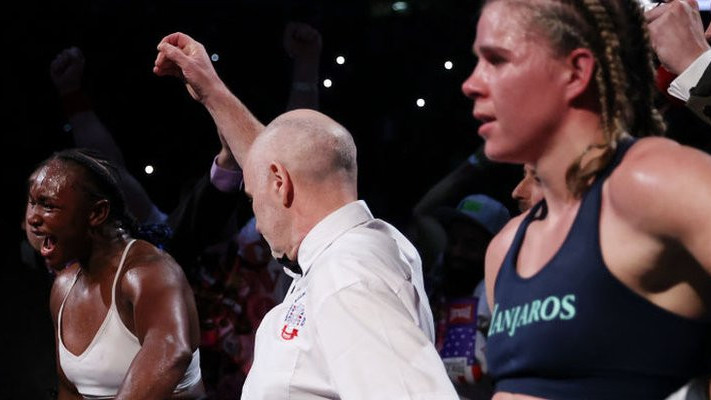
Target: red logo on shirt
[(295, 318), (289, 335)]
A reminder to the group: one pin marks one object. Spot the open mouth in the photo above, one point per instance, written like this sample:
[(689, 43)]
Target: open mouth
[(48, 245)]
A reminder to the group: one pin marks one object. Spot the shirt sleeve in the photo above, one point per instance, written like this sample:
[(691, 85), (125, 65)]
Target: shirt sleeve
[(374, 350), (225, 180), (683, 83)]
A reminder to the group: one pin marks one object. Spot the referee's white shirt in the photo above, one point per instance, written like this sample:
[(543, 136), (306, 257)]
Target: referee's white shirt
[(356, 325)]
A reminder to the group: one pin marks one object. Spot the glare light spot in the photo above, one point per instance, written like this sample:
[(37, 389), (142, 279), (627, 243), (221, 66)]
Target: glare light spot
[(340, 60), (148, 169), (327, 83), (215, 57), (400, 6), (448, 65), (420, 103)]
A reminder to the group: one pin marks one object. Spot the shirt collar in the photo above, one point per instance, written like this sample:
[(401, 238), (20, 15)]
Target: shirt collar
[(329, 229)]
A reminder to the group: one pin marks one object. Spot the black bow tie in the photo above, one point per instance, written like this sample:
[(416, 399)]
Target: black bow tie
[(293, 266)]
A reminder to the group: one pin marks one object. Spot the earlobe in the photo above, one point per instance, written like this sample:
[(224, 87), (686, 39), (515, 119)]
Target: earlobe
[(582, 68), (282, 184), (99, 212)]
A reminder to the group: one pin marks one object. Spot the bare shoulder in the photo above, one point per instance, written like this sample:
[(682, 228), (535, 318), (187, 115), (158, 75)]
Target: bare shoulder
[(659, 183), (496, 252), (149, 268)]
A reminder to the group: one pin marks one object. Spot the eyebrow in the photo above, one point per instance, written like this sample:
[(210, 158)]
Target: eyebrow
[(489, 49)]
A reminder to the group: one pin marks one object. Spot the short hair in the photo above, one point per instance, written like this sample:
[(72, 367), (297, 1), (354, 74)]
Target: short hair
[(335, 144), (103, 183)]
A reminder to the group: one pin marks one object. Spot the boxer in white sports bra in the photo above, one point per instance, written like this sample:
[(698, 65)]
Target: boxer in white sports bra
[(127, 325)]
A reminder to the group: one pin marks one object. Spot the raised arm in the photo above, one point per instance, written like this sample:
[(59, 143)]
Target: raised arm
[(471, 176), (459, 182), (303, 45), (181, 56)]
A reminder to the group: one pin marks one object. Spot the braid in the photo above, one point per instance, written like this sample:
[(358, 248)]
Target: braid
[(615, 32), (613, 87), (613, 67), (648, 120)]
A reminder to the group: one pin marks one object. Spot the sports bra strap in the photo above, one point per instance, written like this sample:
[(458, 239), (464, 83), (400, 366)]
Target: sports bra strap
[(118, 272)]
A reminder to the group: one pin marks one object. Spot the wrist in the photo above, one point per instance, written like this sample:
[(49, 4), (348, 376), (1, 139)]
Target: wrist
[(304, 86), (225, 160), (75, 102)]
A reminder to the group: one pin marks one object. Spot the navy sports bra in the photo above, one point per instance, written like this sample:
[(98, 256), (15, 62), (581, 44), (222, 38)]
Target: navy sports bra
[(574, 331)]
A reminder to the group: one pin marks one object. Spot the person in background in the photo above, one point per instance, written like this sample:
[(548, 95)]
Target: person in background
[(458, 298)]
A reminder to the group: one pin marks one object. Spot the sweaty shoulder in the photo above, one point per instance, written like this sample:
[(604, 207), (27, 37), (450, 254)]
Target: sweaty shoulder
[(660, 186), (147, 267)]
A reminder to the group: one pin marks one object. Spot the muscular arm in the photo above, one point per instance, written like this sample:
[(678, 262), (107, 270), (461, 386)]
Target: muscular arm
[(165, 322), (672, 181)]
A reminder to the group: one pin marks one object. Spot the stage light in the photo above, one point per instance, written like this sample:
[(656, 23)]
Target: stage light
[(327, 83), (420, 102), (148, 169), (340, 60), (400, 6), (448, 65), (215, 57)]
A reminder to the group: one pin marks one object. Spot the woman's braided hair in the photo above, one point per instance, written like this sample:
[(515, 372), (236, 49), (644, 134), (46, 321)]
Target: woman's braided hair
[(616, 33)]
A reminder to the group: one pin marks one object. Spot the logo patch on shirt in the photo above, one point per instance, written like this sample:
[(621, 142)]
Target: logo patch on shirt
[(295, 318), (537, 311)]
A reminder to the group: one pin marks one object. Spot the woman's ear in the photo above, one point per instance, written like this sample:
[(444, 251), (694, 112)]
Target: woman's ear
[(581, 70), (99, 212), (281, 184)]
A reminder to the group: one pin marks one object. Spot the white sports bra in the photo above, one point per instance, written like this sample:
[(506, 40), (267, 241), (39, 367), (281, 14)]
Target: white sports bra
[(99, 371)]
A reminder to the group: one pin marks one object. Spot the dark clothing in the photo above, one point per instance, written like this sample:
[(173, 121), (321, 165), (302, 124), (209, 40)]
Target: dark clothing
[(204, 217), (574, 331), (700, 100)]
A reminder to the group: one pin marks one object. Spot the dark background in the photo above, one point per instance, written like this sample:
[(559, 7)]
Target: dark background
[(391, 60)]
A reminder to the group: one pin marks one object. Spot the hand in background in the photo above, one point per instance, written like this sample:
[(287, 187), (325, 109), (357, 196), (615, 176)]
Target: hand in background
[(677, 34), (67, 70), (301, 41)]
